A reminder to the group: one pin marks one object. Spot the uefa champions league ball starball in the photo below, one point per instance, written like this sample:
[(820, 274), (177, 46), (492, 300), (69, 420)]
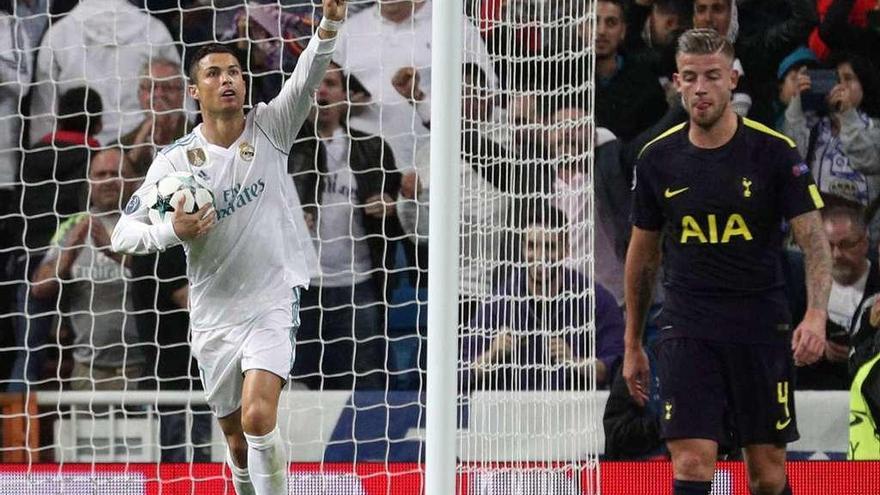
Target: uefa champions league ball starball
[(165, 196)]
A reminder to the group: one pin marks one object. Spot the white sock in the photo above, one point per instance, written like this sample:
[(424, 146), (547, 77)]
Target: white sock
[(267, 463), (241, 480)]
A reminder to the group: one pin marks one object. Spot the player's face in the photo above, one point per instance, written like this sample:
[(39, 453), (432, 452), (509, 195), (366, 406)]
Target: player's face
[(713, 14), (610, 29), (105, 181), (163, 91), (220, 86), (849, 250), (330, 98), (706, 83), (543, 249)]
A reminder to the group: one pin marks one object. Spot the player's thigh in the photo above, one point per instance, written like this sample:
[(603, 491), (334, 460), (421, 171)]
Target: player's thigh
[(693, 399), (260, 395), (762, 392), (218, 354)]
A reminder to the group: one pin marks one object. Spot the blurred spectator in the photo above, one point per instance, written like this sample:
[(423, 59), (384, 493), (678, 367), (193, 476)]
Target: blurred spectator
[(532, 334), (16, 69), (629, 98), (15, 74), (791, 82), (853, 280), (848, 25), (160, 94), (346, 180), (53, 189), (102, 44), (484, 206), (759, 51), (843, 148), (160, 294), (654, 44), (374, 45), (91, 280), (270, 40)]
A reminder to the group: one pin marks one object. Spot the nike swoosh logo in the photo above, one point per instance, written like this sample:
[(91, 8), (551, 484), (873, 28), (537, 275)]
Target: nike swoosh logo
[(668, 194), (780, 425)]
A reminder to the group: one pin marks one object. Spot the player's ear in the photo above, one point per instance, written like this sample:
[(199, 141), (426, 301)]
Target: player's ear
[(676, 81), (734, 78), (193, 91)]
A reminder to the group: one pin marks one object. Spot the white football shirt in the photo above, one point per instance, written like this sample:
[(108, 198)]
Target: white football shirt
[(260, 247)]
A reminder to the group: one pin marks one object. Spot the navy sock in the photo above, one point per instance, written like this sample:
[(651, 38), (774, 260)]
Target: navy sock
[(681, 487)]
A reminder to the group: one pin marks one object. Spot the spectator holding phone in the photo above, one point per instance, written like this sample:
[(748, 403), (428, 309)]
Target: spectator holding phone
[(843, 148), (853, 279)]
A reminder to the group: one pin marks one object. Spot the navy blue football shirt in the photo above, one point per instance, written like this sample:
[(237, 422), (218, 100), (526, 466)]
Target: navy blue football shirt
[(721, 213)]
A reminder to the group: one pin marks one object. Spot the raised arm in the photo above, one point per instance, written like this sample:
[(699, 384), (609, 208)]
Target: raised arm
[(808, 341), (281, 119)]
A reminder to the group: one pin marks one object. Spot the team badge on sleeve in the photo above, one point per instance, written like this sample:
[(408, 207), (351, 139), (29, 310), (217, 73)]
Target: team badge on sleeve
[(196, 157), (800, 169), (133, 204)]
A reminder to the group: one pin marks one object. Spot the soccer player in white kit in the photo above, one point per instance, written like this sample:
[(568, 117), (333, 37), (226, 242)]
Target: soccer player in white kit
[(247, 255)]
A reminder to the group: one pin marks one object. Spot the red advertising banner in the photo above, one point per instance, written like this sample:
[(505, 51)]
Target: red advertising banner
[(617, 478)]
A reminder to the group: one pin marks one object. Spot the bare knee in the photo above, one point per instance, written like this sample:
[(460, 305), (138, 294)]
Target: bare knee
[(693, 466), (258, 418), (767, 482)]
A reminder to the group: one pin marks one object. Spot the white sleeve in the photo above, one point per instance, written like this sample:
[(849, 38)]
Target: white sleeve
[(43, 92), (16, 68), (282, 117), (134, 234)]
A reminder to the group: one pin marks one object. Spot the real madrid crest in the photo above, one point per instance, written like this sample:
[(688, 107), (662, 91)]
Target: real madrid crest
[(246, 151), (196, 157)]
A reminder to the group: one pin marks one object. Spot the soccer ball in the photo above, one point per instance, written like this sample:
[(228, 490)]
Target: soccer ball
[(163, 198)]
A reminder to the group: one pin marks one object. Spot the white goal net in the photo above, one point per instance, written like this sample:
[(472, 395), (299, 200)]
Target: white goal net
[(99, 390)]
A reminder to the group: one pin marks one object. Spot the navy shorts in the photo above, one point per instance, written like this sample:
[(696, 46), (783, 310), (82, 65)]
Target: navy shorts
[(736, 394)]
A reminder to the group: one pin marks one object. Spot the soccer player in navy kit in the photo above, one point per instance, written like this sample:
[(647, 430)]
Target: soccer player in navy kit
[(715, 191)]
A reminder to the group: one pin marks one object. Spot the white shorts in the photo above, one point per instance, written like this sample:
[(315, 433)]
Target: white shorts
[(266, 342)]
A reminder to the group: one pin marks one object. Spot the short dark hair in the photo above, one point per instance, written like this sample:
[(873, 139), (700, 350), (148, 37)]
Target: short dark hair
[(622, 5), (546, 215), (79, 109), (203, 52)]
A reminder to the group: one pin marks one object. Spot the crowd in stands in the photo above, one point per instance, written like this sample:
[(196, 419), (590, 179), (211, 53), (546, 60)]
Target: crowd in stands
[(92, 90)]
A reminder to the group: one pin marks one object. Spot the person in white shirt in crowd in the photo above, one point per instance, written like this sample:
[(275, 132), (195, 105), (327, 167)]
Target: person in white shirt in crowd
[(379, 42), (484, 204), (92, 282), (249, 254), (102, 44), (346, 180)]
